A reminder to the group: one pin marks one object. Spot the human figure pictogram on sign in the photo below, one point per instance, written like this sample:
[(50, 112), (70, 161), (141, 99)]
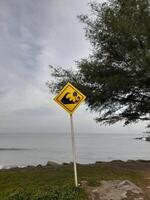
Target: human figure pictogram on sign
[(70, 98)]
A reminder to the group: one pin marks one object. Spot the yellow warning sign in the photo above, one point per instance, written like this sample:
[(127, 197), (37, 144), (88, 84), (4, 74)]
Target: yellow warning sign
[(69, 98)]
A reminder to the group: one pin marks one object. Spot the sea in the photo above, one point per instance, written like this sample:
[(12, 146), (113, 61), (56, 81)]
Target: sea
[(24, 149)]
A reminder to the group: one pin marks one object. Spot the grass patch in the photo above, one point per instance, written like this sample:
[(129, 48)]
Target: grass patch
[(54, 193), (44, 183)]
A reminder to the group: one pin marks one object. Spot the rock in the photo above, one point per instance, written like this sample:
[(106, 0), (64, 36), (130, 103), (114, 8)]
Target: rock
[(143, 161), (130, 161), (129, 186), (52, 164), (117, 161), (115, 190), (39, 166), (65, 164), (99, 162)]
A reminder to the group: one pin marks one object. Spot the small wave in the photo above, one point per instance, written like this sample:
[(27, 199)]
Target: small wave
[(5, 167), (1, 167), (14, 149), (12, 166)]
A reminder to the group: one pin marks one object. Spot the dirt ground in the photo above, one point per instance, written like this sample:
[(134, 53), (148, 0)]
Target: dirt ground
[(115, 190), (122, 189)]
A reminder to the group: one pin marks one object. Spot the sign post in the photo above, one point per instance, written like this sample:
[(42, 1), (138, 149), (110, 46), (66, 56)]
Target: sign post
[(70, 98), (73, 151)]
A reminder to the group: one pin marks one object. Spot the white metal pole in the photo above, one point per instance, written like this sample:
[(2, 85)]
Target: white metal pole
[(73, 151)]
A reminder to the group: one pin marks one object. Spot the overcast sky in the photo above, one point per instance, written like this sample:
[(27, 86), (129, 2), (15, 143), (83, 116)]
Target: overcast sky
[(33, 35)]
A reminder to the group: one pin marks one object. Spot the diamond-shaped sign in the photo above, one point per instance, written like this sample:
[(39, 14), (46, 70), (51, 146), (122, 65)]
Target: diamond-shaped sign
[(69, 98)]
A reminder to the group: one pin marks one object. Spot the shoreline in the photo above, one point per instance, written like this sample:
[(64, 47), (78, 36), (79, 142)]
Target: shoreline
[(55, 164), (41, 179)]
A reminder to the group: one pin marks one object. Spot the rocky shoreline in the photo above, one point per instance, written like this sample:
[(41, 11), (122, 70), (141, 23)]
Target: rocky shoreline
[(138, 162), (115, 180)]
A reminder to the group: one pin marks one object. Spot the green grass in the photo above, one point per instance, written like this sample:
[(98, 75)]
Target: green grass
[(54, 193), (40, 182)]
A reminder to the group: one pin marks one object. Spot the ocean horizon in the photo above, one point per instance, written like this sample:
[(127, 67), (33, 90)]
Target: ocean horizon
[(24, 149)]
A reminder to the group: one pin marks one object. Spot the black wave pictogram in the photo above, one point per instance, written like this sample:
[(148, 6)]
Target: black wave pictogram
[(70, 99)]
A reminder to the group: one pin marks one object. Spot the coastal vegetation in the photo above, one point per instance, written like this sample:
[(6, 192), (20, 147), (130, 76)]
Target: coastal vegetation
[(116, 75), (57, 182)]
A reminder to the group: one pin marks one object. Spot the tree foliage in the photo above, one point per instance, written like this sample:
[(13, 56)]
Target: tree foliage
[(116, 76)]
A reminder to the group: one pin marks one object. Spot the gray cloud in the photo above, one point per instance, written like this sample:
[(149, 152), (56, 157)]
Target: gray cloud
[(35, 34), (3, 93)]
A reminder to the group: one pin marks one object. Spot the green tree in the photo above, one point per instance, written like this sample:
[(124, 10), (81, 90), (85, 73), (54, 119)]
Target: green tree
[(116, 76)]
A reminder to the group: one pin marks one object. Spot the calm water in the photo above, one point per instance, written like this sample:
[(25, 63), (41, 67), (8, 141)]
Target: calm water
[(33, 149)]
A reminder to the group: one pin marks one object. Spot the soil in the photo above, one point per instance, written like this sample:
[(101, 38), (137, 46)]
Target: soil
[(122, 189), (115, 190)]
